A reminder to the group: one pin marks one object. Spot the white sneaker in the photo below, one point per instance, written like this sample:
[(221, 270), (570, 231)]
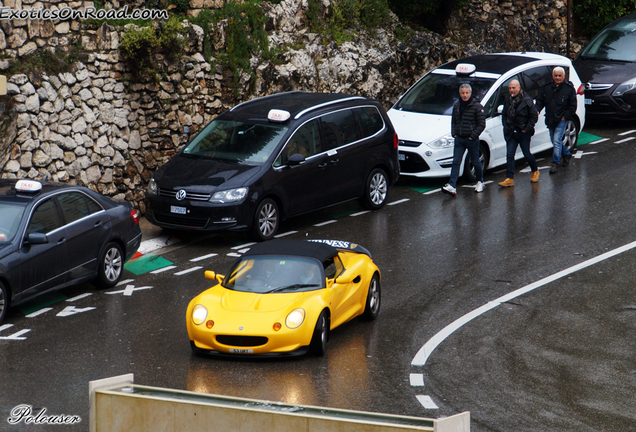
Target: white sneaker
[(479, 187), (449, 190)]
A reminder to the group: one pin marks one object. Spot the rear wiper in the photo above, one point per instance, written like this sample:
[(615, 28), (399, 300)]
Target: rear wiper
[(292, 287)]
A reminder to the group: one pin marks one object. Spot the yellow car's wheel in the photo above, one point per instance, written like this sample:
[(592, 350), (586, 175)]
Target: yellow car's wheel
[(372, 307), (319, 340)]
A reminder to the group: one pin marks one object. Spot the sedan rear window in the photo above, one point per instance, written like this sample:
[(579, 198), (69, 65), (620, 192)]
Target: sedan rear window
[(437, 93), (236, 141)]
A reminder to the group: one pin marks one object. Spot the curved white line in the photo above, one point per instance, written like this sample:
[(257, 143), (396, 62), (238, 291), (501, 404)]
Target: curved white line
[(422, 355)]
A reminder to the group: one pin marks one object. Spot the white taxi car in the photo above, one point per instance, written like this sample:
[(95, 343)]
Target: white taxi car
[(422, 116)]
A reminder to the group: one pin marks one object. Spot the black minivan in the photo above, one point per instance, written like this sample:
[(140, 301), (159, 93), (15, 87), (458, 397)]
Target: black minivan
[(275, 157)]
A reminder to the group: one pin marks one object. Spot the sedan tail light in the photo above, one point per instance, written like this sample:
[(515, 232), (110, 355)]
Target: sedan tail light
[(134, 215), (581, 90), (395, 140)]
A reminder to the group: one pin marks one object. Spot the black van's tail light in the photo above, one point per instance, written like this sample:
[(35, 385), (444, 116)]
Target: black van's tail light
[(581, 90), (134, 215), (395, 140)]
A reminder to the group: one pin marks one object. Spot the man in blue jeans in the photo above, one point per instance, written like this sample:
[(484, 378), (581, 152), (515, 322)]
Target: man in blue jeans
[(467, 123), (559, 100)]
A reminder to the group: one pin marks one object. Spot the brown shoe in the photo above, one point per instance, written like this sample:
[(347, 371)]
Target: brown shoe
[(553, 170), (535, 177), (508, 182)]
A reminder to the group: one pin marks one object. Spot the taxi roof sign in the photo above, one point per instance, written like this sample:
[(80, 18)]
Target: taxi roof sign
[(28, 186), (278, 115), (465, 69)]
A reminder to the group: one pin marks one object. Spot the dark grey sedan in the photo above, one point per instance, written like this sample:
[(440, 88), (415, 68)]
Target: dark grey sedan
[(54, 235)]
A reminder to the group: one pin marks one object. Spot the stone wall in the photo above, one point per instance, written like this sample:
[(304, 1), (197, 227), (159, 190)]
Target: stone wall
[(100, 127)]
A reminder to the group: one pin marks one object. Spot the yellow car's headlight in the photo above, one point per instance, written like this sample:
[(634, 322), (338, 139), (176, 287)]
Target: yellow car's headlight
[(295, 318), (199, 314)]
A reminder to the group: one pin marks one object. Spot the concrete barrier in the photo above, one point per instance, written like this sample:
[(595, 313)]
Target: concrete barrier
[(119, 405)]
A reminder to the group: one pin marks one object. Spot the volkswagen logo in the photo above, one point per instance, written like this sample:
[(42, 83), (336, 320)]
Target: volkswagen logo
[(181, 195), (241, 328)]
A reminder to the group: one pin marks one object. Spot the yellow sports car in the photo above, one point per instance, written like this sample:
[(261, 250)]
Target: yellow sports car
[(282, 297)]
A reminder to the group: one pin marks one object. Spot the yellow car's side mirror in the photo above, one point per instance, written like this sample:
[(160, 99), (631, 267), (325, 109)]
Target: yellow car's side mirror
[(209, 274)]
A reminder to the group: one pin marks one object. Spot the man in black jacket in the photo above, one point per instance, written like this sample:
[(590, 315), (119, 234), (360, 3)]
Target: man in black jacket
[(518, 117), (467, 123), (559, 100)]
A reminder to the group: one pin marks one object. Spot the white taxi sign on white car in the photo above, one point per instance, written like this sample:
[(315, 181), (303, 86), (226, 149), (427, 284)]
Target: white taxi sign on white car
[(278, 115), (28, 186), (465, 68)]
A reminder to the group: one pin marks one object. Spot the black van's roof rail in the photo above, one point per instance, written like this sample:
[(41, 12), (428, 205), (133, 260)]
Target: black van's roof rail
[(306, 110)]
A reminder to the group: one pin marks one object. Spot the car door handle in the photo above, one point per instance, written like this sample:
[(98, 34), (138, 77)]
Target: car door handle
[(322, 165), (334, 161), (98, 224), (61, 241)]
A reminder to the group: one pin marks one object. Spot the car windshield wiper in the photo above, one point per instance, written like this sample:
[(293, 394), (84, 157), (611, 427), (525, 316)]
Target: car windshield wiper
[(292, 287)]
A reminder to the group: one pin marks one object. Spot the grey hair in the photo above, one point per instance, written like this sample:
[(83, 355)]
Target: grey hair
[(464, 86), (558, 69)]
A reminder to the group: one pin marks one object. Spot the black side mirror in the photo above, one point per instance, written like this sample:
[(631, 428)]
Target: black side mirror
[(296, 159), (36, 238)]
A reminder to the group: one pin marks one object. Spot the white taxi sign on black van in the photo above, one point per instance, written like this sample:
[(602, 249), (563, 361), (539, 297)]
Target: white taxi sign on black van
[(28, 186), (278, 115), (465, 69)]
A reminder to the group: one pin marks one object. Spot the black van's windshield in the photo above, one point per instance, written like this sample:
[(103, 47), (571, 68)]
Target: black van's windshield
[(437, 93), (615, 43), (237, 141)]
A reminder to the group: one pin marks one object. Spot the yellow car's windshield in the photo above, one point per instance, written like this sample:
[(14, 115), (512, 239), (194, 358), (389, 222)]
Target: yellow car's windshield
[(273, 274)]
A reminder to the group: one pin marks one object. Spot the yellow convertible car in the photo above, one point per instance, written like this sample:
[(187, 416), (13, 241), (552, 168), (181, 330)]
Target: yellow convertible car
[(283, 297)]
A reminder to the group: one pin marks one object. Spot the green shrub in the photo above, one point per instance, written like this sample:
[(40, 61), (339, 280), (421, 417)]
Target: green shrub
[(373, 12), (593, 15)]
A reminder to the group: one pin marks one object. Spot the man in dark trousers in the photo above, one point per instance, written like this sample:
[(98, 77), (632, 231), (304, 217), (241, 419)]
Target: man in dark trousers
[(559, 100), (518, 117), (467, 123)]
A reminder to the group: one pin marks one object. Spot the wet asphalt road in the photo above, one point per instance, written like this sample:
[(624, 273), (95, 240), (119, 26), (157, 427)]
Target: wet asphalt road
[(560, 357)]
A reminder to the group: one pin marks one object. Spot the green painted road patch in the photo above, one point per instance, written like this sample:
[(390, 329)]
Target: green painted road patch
[(586, 138), (146, 263), (40, 303)]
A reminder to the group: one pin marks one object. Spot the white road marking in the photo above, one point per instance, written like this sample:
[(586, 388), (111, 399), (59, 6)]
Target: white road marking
[(624, 140), (528, 169), (423, 354), (432, 191), (16, 336), (243, 246), (38, 312), (161, 270), (398, 202), (193, 269), (627, 132), (417, 380), (325, 223), (598, 141), (242, 251), (6, 326), (128, 291), (474, 186), (204, 257), (580, 154), (426, 402), (360, 213), (156, 243), (234, 255), (72, 310), (81, 296), (285, 234), (124, 282)]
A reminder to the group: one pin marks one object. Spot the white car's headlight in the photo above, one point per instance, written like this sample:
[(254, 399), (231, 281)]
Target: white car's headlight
[(443, 142), (152, 187), (295, 318), (227, 196), (625, 87), (199, 314)]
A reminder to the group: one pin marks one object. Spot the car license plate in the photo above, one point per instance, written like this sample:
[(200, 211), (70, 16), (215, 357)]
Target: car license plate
[(178, 210), (401, 156), (241, 351), (589, 101)]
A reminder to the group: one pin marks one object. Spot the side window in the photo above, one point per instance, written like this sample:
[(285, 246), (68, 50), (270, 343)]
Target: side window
[(305, 141), (339, 128), (44, 218), (498, 99), (76, 205), (333, 267), (535, 78), (370, 120)]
